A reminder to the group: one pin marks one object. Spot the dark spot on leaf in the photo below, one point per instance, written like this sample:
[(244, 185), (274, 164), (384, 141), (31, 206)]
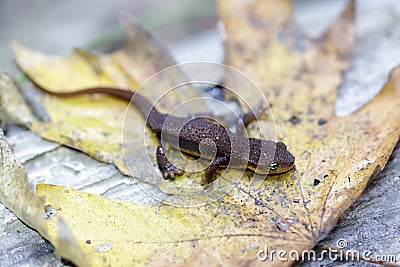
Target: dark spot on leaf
[(299, 45), (276, 90), (257, 202), (49, 212), (321, 122), (294, 120), (257, 22), (239, 47), (282, 37), (216, 91), (316, 182)]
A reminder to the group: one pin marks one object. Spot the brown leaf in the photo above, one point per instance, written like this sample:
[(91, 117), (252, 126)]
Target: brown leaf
[(335, 156)]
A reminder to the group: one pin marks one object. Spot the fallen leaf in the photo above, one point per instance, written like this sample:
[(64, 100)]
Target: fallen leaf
[(93, 123), (280, 215), (12, 105), (17, 195), (117, 233), (335, 156)]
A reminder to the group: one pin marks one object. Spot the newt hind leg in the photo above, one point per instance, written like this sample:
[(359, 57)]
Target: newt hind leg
[(215, 164), (168, 170)]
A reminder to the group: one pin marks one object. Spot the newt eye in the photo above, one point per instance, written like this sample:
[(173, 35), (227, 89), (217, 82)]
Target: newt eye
[(274, 165)]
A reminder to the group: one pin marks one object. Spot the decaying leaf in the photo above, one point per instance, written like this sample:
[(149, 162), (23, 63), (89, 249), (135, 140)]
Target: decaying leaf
[(281, 214), (12, 106), (114, 232), (93, 123), (16, 195), (335, 156)]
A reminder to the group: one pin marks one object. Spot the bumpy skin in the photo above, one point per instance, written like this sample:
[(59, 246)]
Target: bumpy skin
[(203, 138)]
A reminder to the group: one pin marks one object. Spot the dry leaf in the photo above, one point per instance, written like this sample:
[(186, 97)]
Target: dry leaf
[(12, 106), (335, 156), (17, 196), (123, 233), (232, 230), (114, 232), (93, 123)]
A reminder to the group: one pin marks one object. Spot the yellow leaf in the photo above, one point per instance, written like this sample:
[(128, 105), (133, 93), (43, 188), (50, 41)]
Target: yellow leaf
[(17, 196), (12, 106), (335, 156), (119, 233), (281, 214), (93, 123)]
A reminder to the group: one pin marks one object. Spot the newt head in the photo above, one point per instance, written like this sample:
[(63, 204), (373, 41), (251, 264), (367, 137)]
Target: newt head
[(283, 160), (267, 157)]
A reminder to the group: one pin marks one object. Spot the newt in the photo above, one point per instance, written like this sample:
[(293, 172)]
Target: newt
[(200, 137)]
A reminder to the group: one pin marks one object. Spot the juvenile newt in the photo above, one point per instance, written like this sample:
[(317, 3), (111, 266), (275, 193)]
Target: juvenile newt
[(204, 138)]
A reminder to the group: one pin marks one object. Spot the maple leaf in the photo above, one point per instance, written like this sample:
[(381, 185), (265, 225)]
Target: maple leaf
[(335, 156)]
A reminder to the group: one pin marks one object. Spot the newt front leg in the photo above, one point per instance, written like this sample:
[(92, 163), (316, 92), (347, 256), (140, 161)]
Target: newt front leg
[(167, 169)]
